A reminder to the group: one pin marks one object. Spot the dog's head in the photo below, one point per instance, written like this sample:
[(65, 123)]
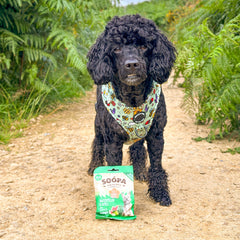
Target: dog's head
[(132, 50)]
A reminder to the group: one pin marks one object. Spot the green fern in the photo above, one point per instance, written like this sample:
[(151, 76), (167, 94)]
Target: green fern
[(9, 41), (43, 51), (209, 60), (228, 104)]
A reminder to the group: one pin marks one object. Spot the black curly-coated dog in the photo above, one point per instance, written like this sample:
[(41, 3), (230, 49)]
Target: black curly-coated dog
[(131, 58)]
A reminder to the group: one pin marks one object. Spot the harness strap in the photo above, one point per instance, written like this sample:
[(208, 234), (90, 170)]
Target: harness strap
[(136, 121)]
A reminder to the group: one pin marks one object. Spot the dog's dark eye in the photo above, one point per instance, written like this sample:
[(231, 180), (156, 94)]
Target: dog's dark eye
[(117, 50)]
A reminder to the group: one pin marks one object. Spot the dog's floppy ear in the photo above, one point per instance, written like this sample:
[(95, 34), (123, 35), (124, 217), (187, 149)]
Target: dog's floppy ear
[(99, 64), (163, 58)]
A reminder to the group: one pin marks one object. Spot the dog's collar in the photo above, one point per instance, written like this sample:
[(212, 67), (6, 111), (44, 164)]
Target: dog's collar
[(136, 121)]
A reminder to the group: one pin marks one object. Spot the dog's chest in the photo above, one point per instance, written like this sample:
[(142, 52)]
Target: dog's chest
[(136, 121)]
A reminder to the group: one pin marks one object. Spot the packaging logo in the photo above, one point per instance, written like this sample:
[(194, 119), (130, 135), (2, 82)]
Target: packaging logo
[(98, 177)]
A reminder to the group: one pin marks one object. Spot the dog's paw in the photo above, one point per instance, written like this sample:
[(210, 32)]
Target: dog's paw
[(165, 201), (93, 166), (90, 171), (142, 176), (161, 196), (158, 187)]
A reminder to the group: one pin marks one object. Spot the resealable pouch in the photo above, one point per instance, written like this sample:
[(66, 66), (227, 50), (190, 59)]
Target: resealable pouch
[(114, 192)]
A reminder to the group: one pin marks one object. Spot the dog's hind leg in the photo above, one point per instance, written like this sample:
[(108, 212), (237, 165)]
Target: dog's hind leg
[(97, 150), (138, 158)]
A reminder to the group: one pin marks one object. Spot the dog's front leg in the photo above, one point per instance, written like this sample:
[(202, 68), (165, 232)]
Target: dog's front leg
[(113, 151), (138, 158), (97, 148), (158, 187)]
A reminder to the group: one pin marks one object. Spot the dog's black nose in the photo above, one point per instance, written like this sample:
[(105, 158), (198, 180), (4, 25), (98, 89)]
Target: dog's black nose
[(132, 64)]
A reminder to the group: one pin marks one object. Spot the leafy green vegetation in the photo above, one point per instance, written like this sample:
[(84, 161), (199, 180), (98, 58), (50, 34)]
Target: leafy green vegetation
[(232, 151), (158, 11), (208, 42), (43, 47)]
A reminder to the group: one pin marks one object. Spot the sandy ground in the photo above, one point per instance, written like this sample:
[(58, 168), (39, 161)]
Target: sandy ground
[(45, 192)]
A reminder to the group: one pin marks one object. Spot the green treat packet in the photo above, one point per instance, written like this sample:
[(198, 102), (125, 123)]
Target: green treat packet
[(114, 192)]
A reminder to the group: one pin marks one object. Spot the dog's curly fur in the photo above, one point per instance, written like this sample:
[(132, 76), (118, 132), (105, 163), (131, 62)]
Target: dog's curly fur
[(131, 45)]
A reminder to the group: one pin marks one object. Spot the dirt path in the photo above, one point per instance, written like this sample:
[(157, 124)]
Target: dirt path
[(45, 192)]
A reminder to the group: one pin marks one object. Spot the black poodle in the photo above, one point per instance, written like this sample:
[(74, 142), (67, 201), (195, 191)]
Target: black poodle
[(128, 63)]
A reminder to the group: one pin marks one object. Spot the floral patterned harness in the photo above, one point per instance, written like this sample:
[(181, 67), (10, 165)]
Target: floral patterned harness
[(136, 121)]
